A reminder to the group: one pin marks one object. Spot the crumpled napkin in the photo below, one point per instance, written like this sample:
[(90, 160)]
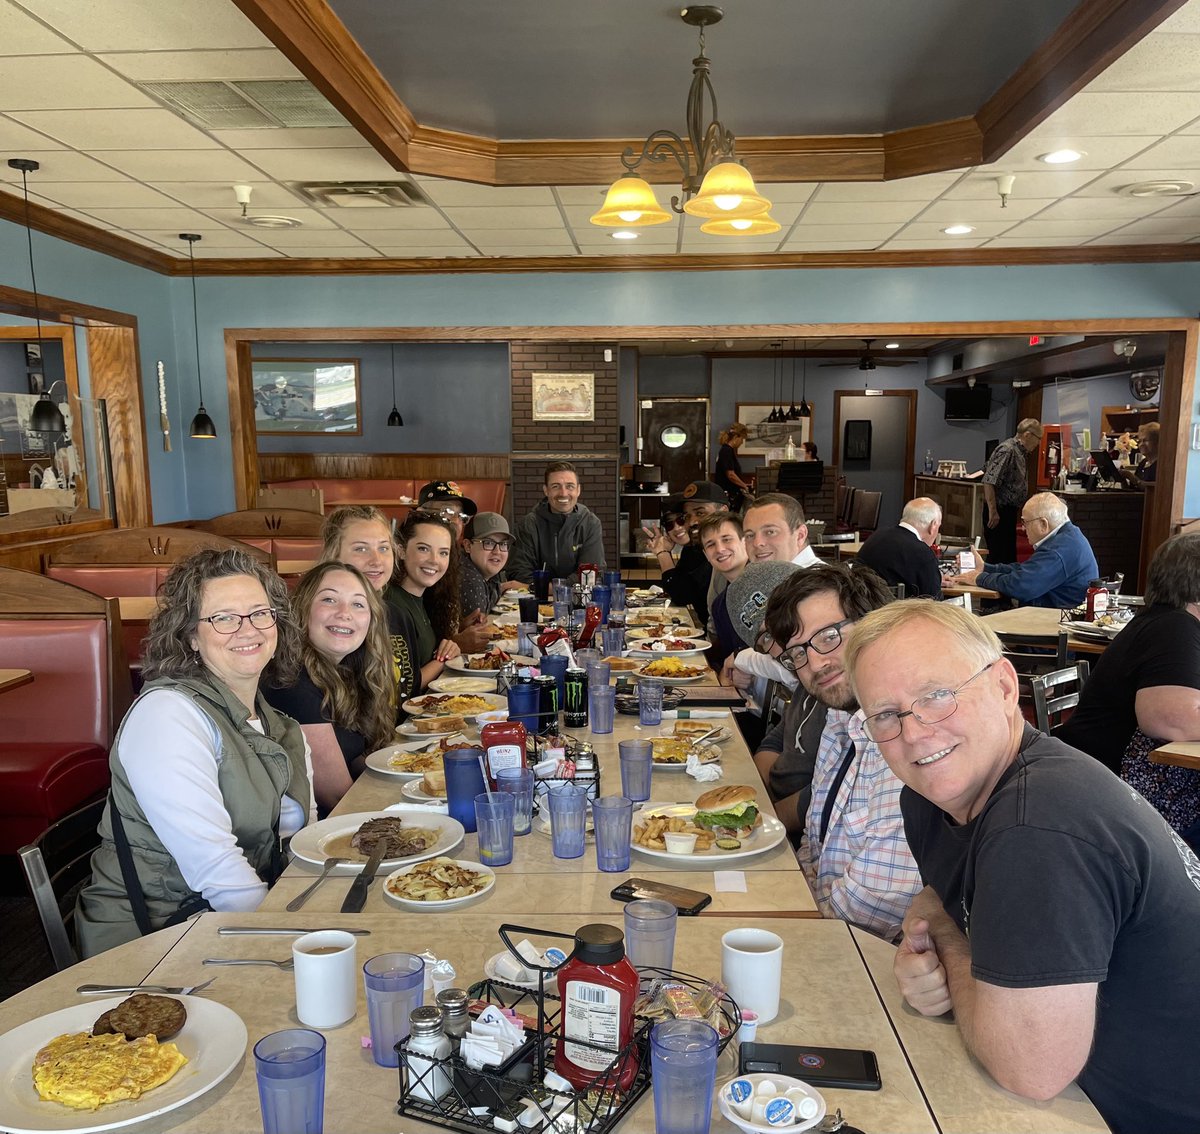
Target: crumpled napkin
[(703, 773), (438, 974)]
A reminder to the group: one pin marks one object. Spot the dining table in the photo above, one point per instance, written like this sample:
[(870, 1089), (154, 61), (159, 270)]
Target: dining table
[(1039, 621), (14, 679), (1179, 754)]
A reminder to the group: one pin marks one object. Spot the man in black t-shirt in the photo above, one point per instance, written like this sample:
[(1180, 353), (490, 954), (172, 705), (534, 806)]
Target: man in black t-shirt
[(1061, 914)]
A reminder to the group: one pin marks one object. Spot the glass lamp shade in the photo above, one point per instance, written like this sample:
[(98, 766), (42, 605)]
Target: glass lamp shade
[(630, 202), (761, 225), (46, 417), (727, 192), (202, 425)]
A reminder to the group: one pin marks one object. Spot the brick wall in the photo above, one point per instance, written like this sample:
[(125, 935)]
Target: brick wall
[(592, 446), (817, 505), (1112, 522)]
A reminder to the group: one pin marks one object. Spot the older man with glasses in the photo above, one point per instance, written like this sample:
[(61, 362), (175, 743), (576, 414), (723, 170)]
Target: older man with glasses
[(1061, 913), (1006, 488), (852, 846)]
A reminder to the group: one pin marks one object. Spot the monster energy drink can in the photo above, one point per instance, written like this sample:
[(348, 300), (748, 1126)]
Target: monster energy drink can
[(575, 698), (547, 685)]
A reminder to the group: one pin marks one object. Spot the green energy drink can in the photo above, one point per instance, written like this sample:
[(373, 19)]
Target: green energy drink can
[(575, 698)]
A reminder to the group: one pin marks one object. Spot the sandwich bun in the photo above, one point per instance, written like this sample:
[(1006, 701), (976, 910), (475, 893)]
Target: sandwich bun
[(434, 782), (726, 796)]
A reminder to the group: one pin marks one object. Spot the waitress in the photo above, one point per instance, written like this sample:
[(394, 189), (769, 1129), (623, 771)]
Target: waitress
[(728, 474)]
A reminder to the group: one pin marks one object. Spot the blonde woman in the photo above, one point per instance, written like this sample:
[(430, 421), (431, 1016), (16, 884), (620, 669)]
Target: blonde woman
[(729, 470)]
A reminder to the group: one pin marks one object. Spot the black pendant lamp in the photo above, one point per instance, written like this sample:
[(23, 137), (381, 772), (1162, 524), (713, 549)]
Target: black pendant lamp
[(46, 416), (202, 425), (793, 414), (776, 414), (394, 418), (805, 408)]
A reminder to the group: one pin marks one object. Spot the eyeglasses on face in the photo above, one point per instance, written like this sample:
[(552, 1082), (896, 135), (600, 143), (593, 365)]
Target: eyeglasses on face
[(824, 641), (931, 709), (261, 619), (489, 544), (447, 513)]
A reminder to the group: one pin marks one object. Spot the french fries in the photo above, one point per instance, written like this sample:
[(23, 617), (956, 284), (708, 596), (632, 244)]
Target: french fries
[(650, 834), (438, 880)]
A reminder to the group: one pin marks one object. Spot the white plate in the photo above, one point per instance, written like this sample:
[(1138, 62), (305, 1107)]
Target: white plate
[(459, 665), (492, 701), (783, 1082), (638, 674), (309, 843), (463, 684), (656, 616), (407, 728), (1091, 630), (696, 647), (380, 760), (489, 971), (770, 833), (676, 632), (412, 904), (213, 1039), (710, 753), (414, 791)]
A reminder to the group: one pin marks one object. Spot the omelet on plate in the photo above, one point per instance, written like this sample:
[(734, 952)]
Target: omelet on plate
[(85, 1071)]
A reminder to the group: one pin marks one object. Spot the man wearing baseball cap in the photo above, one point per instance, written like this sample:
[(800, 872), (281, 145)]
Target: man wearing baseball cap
[(485, 544), (444, 498)]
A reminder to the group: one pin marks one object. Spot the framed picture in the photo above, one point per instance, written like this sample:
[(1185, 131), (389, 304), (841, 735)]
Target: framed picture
[(856, 441), (762, 436), (306, 395), (564, 397)]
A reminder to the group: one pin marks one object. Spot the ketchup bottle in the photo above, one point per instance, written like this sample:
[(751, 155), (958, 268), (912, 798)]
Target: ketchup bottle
[(591, 619), (1097, 599), (599, 987), (504, 747)]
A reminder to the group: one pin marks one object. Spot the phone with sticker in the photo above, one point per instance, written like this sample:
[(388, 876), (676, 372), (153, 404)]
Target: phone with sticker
[(850, 1068), (687, 902)]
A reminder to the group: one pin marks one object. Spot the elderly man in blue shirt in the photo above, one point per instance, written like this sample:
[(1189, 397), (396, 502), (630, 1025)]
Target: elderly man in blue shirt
[(1062, 564)]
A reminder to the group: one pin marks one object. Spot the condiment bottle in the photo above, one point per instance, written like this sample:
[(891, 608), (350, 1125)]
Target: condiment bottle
[(453, 1003), (591, 619), (503, 744), (427, 1079), (599, 987), (1097, 599)]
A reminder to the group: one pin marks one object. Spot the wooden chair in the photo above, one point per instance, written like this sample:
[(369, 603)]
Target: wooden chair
[(865, 514), (1049, 710), (57, 865), (299, 499)]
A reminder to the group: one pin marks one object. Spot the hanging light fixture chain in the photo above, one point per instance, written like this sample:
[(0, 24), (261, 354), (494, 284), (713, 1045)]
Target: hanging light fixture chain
[(195, 317), (25, 166)]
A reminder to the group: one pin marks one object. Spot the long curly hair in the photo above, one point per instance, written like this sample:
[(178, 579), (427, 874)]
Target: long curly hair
[(359, 692), (333, 531), (441, 600), (167, 651)]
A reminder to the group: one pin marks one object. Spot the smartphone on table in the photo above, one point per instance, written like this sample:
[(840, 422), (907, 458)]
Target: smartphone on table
[(849, 1068), (687, 902)]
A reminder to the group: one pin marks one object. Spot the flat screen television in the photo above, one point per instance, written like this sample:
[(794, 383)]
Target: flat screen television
[(964, 403)]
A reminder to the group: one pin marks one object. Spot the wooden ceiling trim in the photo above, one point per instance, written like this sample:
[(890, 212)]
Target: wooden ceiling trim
[(931, 149), (20, 302), (1095, 34)]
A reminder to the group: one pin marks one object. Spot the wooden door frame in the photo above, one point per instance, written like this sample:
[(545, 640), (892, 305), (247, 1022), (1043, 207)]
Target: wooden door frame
[(910, 440)]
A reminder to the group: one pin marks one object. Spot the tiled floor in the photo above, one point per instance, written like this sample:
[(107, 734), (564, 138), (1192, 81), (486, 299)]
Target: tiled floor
[(25, 958)]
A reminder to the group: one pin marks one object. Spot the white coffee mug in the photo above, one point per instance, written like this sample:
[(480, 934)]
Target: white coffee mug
[(326, 977), (752, 969)]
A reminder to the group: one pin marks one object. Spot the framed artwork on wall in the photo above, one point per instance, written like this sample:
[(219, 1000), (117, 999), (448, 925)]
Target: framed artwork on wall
[(856, 441), (307, 395), (762, 436), (564, 397)]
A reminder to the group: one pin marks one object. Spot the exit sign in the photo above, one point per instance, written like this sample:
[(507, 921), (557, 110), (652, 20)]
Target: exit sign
[(1035, 340)]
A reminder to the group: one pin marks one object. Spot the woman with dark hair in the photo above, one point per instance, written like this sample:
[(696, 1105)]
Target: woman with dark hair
[(728, 474), (208, 780), (345, 697), (1145, 689), (810, 451), (426, 599)]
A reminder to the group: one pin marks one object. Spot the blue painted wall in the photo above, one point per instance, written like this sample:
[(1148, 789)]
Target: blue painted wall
[(197, 478)]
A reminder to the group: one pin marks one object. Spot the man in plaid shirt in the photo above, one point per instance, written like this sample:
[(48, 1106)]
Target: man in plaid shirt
[(853, 851), (1006, 488)]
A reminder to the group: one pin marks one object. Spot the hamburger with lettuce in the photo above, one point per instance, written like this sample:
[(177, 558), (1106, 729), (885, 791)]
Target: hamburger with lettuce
[(729, 811)]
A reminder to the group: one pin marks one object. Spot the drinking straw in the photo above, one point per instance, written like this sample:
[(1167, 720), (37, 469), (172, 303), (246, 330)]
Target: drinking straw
[(486, 786)]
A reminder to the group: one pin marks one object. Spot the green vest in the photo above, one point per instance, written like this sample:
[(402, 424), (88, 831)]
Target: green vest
[(255, 770)]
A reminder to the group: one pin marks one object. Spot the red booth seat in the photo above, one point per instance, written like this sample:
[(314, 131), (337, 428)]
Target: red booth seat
[(117, 582), (385, 494)]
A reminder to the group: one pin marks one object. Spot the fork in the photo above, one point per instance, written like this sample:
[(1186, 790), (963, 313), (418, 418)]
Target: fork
[(285, 966), (169, 990)]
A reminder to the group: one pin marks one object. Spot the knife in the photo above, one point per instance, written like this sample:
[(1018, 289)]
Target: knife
[(356, 897), (227, 930)]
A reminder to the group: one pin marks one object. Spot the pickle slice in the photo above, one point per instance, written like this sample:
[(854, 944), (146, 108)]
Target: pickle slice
[(729, 844)]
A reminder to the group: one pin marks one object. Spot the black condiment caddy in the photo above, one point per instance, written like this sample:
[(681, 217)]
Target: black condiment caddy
[(507, 1090)]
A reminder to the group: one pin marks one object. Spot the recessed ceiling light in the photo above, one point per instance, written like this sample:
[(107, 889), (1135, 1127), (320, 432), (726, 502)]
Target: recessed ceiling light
[(1061, 157), (958, 230), (891, 346), (1157, 189), (623, 235), (267, 221)]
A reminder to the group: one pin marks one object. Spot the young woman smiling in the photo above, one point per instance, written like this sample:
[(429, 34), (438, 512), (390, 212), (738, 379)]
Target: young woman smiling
[(344, 697), (426, 598)]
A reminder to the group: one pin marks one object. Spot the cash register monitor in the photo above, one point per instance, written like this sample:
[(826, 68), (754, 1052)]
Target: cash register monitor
[(1106, 465)]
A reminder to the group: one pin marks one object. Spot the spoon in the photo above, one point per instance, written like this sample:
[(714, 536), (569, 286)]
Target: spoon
[(285, 966), (303, 897)]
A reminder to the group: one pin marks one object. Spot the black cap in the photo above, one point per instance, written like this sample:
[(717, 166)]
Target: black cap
[(599, 944)]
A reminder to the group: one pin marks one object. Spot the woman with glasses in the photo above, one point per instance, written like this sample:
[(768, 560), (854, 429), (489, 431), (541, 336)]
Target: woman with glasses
[(344, 697), (208, 780)]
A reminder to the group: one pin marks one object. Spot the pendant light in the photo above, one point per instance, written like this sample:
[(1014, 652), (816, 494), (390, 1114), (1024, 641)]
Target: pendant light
[(805, 405), (793, 414), (46, 416), (202, 426), (394, 418), (774, 416)]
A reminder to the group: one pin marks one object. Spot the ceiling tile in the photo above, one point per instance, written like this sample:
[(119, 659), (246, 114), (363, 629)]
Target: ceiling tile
[(980, 185), (1182, 152), (94, 130), (1184, 207), (414, 217), (1178, 224), (825, 233), (1158, 63), (307, 138), (419, 245), (148, 25), (526, 216), (1109, 183), (729, 245), (215, 195), (307, 238), (180, 66), (932, 230), (1064, 228), (1124, 237), (579, 218), (64, 165), (101, 194), (949, 242), (1099, 153), (25, 36), (330, 252), (787, 192), (215, 165), (1111, 207), (256, 253), (860, 212), (592, 195), (646, 238), (1035, 241), (988, 211), (309, 218), (1185, 21), (829, 246), (516, 236), (456, 193), (1104, 114), (214, 238), (177, 220), (922, 188), (547, 250), (18, 139), (52, 82), (322, 164)]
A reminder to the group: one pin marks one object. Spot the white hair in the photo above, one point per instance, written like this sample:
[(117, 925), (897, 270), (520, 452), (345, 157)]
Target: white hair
[(921, 512), (1050, 508)]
